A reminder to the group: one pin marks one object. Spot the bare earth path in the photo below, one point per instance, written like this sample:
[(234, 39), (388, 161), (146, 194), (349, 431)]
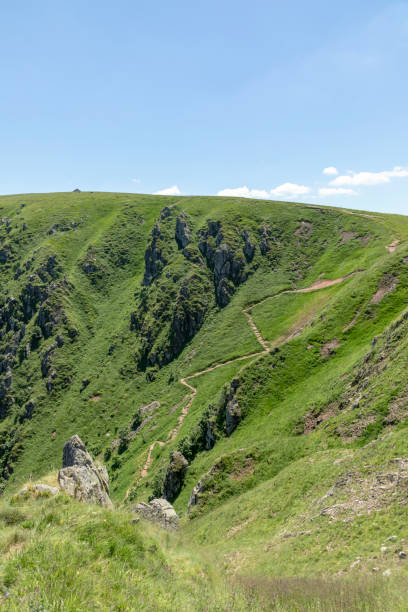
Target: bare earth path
[(322, 284)]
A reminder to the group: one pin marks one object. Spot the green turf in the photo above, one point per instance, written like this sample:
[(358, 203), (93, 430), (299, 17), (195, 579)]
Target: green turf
[(327, 401)]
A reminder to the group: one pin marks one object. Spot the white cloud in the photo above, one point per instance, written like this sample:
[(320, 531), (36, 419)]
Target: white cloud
[(330, 170), (328, 191), (286, 190), (136, 180), (244, 192), (370, 178), (289, 190), (174, 190)]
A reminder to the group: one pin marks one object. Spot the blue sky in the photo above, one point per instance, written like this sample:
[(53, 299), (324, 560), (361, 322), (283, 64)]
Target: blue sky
[(253, 98)]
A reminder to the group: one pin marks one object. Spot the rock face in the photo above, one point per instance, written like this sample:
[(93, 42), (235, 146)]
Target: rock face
[(200, 487), (183, 233), (154, 260), (264, 234), (157, 252), (190, 309), (227, 262), (249, 247), (175, 474), (233, 411), (158, 511), (80, 477)]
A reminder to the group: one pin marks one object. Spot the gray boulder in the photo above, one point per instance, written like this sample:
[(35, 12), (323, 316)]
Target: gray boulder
[(39, 488), (158, 511), (80, 477)]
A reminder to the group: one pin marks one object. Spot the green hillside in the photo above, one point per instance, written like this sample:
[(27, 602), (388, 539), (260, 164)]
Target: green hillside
[(265, 341)]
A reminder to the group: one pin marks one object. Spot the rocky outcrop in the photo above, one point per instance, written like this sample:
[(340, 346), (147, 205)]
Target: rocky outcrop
[(4, 255), (192, 253), (155, 256), (47, 370), (228, 271), (249, 247), (178, 315), (28, 411), (233, 413), (48, 318), (264, 235), (196, 494), (237, 466), (80, 477), (158, 511), (38, 489), (226, 262), (176, 471), (190, 309), (200, 487), (183, 232)]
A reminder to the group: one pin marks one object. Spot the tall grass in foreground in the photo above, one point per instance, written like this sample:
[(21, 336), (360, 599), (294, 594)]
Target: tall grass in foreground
[(59, 555), (299, 594)]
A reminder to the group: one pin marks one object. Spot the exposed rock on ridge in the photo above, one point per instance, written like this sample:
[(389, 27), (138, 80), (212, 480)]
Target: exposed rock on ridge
[(155, 259), (158, 511), (80, 477), (226, 261), (183, 233)]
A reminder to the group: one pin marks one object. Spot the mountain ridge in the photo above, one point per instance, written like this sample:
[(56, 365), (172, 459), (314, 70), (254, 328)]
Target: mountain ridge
[(253, 339)]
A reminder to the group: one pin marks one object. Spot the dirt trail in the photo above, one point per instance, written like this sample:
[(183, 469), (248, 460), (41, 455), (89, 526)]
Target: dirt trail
[(256, 330), (149, 457), (359, 214), (322, 284), (391, 247)]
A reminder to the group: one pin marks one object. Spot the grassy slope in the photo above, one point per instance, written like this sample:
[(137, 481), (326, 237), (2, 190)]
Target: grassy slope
[(58, 554), (288, 470)]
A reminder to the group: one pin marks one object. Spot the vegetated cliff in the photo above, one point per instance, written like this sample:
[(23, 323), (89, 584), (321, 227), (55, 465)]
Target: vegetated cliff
[(209, 350)]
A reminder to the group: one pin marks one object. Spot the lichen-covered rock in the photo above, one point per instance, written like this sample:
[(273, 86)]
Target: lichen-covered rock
[(158, 511), (173, 481), (80, 477)]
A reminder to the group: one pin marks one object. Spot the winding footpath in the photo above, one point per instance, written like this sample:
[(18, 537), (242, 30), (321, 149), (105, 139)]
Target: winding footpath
[(322, 284)]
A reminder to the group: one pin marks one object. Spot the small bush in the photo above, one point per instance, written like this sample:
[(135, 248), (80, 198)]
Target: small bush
[(137, 420), (12, 516), (124, 439), (107, 454), (157, 483), (116, 463)]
